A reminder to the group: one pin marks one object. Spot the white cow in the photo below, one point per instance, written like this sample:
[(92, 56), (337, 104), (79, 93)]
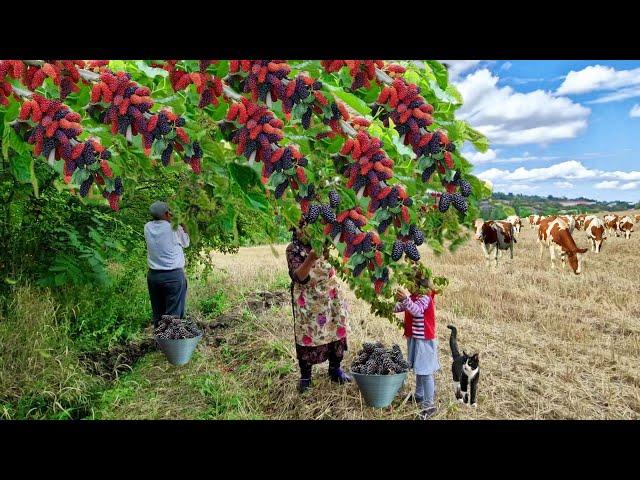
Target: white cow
[(596, 234), (495, 235), (516, 222), (625, 226)]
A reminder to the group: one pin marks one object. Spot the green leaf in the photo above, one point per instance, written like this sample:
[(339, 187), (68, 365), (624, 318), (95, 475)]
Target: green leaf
[(22, 168), (79, 176), (151, 72), (435, 245), (477, 139), (440, 72), (258, 201), (11, 140), (12, 112), (350, 99), (116, 65), (244, 175)]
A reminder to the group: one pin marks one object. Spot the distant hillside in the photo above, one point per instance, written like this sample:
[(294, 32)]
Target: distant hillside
[(501, 205)]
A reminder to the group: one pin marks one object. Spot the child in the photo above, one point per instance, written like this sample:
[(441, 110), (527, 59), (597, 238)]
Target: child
[(422, 345)]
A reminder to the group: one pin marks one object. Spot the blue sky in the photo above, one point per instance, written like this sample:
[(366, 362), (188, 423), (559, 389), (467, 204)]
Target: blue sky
[(555, 127)]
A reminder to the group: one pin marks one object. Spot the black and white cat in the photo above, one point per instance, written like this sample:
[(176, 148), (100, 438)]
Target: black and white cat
[(466, 371)]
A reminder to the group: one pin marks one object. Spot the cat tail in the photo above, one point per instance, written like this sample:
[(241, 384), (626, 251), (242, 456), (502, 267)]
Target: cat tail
[(453, 342)]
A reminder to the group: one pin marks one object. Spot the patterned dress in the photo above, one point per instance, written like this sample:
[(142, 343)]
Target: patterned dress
[(319, 310)]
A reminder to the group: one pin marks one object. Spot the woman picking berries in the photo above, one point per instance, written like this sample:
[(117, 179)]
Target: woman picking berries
[(319, 310)]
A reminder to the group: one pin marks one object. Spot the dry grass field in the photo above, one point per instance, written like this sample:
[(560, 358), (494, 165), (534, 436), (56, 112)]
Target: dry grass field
[(553, 345)]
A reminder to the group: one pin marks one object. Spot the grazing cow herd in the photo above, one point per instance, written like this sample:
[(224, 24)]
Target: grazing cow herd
[(555, 233)]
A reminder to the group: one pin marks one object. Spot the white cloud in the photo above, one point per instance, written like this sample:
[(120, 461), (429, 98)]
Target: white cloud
[(607, 184), (506, 66), (630, 186), (493, 157), (457, 67), (511, 118), (635, 111), (522, 187), (478, 158), (622, 94), (598, 77), (569, 170), (564, 184)]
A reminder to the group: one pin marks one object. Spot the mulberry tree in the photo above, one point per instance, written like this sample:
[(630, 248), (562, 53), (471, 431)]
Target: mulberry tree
[(368, 151)]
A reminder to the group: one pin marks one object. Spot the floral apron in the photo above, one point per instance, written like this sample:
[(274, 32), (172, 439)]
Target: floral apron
[(320, 313)]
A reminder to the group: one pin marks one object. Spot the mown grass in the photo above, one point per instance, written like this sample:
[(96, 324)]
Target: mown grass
[(40, 373), (552, 346)]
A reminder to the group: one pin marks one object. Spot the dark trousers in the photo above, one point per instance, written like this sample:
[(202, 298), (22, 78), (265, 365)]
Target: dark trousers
[(305, 367), (168, 293)]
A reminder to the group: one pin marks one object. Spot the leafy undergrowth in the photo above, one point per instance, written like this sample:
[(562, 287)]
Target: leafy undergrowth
[(41, 375)]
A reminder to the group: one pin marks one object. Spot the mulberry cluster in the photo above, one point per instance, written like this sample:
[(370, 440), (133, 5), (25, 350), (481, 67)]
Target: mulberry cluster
[(451, 197), (290, 162), (303, 90), (375, 359), (405, 246), (458, 201), (263, 78), (208, 86), (54, 131), (335, 112), (122, 103), (12, 69), (259, 130), (370, 165), (362, 71), (174, 328), (409, 111), (64, 73)]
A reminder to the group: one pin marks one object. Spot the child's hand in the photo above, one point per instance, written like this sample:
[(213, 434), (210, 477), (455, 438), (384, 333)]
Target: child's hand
[(400, 295)]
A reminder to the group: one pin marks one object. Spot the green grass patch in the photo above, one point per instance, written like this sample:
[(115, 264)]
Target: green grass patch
[(224, 399)]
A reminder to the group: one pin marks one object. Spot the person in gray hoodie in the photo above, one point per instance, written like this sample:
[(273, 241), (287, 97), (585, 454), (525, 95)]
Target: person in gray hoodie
[(166, 279)]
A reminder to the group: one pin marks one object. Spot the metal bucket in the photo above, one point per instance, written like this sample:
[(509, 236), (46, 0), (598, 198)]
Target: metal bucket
[(179, 351), (379, 390)]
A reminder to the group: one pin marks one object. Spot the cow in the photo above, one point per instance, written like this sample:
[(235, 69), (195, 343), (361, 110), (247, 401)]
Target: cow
[(625, 226), (594, 227), (637, 218), (611, 224), (553, 232), (516, 222), (498, 235), (568, 219), (580, 221), (533, 221), (539, 219)]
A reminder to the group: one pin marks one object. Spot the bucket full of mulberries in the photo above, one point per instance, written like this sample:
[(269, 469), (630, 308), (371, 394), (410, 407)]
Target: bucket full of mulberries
[(177, 338), (379, 373)]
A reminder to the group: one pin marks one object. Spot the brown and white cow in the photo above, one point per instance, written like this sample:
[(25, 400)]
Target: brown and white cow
[(516, 222), (580, 220), (533, 220), (553, 233), (498, 235), (611, 224), (637, 218), (570, 221), (594, 227), (625, 226)]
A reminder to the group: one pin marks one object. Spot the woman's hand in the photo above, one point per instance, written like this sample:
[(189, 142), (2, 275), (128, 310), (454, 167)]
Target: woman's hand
[(312, 256)]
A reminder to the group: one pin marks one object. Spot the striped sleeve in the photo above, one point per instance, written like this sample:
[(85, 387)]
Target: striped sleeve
[(398, 308), (418, 307)]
